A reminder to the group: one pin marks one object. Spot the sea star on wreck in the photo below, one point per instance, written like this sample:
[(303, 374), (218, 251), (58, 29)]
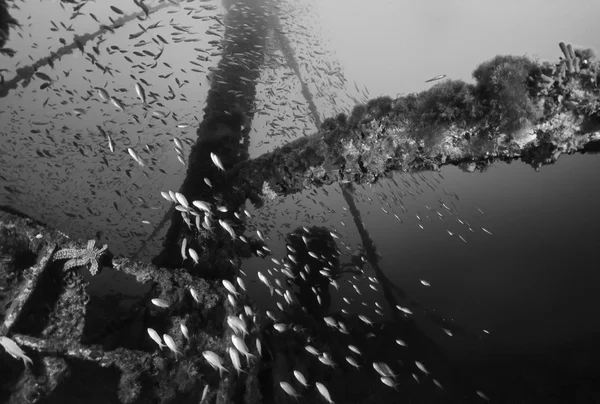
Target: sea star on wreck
[(79, 257)]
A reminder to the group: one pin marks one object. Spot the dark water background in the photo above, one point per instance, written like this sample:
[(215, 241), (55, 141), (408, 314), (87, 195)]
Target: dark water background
[(532, 283)]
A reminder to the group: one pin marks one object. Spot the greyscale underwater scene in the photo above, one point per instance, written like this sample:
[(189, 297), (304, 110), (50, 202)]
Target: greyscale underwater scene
[(299, 201)]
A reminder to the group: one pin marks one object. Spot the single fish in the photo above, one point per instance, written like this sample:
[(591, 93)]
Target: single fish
[(204, 394), (352, 362), (171, 344), (215, 361), (184, 331), (300, 377), (258, 347), (118, 104), (155, 337), (388, 381), (217, 161), (237, 325), (227, 228), (289, 390), (235, 359), (14, 350), (194, 256), (160, 303), (140, 92), (183, 249), (103, 94), (354, 349), (324, 392), (116, 10), (241, 283), (421, 367), (195, 295), (439, 77), (240, 345), (229, 286)]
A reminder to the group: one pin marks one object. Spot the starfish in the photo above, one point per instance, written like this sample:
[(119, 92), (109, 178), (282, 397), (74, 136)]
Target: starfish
[(79, 257)]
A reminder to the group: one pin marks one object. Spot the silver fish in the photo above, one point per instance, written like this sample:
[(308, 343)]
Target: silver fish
[(289, 389), (160, 303), (155, 337), (140, 92), (171, 344)]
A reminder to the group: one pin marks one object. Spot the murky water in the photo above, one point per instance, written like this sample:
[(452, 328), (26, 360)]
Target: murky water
[(494, 262)]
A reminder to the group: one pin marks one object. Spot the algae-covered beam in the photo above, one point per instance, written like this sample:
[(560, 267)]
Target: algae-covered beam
[(517, 109)]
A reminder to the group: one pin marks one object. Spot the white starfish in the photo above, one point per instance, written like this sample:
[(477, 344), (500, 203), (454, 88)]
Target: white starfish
[(80, 257)]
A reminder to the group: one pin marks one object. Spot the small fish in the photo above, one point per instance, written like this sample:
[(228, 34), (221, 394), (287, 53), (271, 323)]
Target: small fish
[(133, 154), (289, 390), (300, 377), (312, 350), (401, 343), (184, 331), (118, 104), (202, 206), (235, 359), (217, 161), (324, 392), (486, 231), (215, 361), (352, 362), (388, 381), (183, 249), (264, 280), (237, 325), (421, 367), (116, 10), (103, 94), (194, 256), (240, 345), (404, 310), (204, 394), (229, 286), (155, 337), (365, 320), (439, 77), (280, 327), (227, 228), (171, 344), (354, 349), (195, 295), (207, 182), (160, 303), (425, 283), (140, 92), (14, 350)]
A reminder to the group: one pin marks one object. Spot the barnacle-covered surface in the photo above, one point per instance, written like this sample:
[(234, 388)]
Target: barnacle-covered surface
[(75, 353)]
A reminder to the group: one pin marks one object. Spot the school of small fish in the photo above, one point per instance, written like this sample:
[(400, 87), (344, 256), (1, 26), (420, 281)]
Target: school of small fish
[(115, 141)]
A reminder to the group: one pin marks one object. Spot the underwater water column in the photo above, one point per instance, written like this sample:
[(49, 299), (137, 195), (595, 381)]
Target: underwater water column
[(224, 132), (26, 73)]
